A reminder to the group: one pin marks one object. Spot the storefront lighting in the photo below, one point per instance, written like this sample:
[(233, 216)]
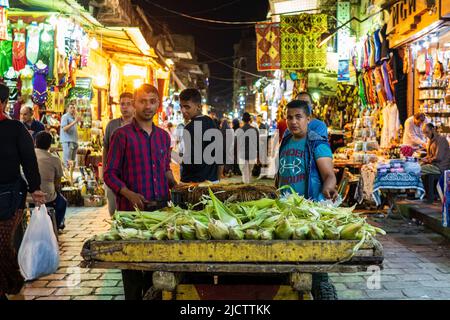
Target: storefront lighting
[(169, 62), (426, 45), (137, 83), (93, 44), (130, 70), (316, 96), (434, 39), (100, 81)]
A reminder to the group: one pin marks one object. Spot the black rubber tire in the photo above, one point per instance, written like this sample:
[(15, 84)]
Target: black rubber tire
[(322, 288)]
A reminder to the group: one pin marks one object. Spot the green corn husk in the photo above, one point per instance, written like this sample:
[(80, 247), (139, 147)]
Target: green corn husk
[(349, 231), (284, 230), (236, 233), (301, 233), (111, 235), (173, 233), (160, 234), (266, 234), (315, 233), (251, 234), (187, 232), (331, 233), (218, 230), (270, 222), (201, 231), (260, 204)]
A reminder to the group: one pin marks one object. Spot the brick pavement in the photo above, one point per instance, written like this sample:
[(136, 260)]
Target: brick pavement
[(416, 266)]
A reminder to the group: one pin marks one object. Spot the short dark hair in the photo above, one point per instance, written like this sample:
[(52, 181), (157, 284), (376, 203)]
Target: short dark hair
[(430, 126), (147, 88), (4, 93), (246, 117), (305, 93), (420, 116), (300, 104), (191, 95), (126, 94), (43, 140)]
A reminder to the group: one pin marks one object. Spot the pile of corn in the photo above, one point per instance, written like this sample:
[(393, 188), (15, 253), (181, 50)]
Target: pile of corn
[(291, 217)]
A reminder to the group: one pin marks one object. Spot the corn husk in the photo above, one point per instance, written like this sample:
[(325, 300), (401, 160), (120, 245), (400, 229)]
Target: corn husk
[(218, 230), (173, 233), (301, 233), (315, 233), (266, 234), (284, 230), (236, 233), (160, 234), (349, 231), (251, 234), (187, 232), (201, 231), (331, 233)]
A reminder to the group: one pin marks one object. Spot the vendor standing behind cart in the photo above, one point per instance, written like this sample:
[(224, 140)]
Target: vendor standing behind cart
[(305, 157), (138, 172), (194, 167)]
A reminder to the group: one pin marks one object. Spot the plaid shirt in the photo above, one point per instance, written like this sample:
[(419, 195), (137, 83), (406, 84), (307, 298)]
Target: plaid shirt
[(139, 162)]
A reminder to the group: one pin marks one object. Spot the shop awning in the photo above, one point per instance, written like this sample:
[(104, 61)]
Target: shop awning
[(127, 45), (180, 84)]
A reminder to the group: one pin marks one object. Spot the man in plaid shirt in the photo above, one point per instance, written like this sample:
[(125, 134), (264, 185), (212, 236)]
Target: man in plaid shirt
[(138, 171)]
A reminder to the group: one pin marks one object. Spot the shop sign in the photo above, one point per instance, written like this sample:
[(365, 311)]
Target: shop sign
[(409, 18)]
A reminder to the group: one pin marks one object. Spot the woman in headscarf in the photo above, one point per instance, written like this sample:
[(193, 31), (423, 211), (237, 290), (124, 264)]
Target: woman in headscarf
[(16, 151)]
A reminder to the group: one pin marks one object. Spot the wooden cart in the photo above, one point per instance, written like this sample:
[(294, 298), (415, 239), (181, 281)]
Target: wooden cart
[(293, 262)]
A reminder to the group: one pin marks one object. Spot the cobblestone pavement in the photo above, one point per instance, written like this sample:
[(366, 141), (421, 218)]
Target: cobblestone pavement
[(416, 266)]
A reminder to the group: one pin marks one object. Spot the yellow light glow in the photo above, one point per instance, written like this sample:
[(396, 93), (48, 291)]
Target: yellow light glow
[(100, 81), (93, 44), (170, 62), (133, 70), (137, 83)]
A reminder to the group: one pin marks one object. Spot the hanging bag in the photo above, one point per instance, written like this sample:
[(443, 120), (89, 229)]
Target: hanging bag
[(39, 252)]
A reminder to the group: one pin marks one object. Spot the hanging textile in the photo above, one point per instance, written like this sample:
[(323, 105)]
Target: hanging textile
[(33, 33), (47, 48), (6, 54), (300, 35), (19, 57), (11, 78), (391, 125), (39, 96), (268, 46), (3, 24), (26, 76)]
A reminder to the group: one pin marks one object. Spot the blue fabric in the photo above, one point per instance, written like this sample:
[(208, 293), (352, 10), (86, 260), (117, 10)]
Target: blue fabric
[(398, 181), (316, 146), (315, 125), (72, 134), (36, 127)]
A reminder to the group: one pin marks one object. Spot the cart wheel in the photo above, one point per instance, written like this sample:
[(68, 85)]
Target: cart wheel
[(322, 288)]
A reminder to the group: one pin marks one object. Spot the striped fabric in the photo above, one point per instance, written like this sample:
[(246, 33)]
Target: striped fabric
[(139, 162)]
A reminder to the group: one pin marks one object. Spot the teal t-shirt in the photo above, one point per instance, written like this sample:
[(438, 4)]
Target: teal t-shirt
[(292, 166)]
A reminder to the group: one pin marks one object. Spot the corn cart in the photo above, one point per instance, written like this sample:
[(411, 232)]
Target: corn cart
[(287, 267)]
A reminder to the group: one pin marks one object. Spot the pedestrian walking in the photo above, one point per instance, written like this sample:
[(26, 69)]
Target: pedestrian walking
[(138, 172), (51, 172), (69, 133), (127, 114), (16, 151), (247, 139)]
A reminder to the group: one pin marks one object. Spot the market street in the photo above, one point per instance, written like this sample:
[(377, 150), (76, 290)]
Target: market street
[(416, 266)]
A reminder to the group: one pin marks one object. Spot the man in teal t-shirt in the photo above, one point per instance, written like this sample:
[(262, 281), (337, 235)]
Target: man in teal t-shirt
[(305, 157)]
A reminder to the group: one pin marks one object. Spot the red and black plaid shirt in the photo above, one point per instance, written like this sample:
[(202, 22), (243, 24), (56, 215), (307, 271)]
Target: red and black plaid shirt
[(138, 161)]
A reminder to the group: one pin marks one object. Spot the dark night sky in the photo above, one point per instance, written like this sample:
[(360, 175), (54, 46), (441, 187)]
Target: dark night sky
[(217, 40)]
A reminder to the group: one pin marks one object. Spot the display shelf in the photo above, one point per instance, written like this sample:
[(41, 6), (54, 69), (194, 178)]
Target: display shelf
[(425, 99), (431, 88), (441, 113)]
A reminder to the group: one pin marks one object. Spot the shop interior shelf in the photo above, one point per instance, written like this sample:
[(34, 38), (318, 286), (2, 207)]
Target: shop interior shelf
[(430, 88), (442, 113), (424, 99)]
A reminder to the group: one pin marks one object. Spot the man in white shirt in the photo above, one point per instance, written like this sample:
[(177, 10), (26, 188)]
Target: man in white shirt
[(413, 135)]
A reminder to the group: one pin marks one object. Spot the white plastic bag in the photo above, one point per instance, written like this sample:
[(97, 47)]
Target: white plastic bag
[(39, 251)]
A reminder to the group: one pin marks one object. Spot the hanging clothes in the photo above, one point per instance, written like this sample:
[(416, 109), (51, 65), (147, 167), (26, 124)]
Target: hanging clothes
[(384, 43), (366, 54), (33, 33), (11, 78), (47, 48), (40, 85), (377, 41), (371, 47), (26, 77), (362, 94), (379, 88), (6, 54), (391, 125), (387, 85), (19, 56)]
